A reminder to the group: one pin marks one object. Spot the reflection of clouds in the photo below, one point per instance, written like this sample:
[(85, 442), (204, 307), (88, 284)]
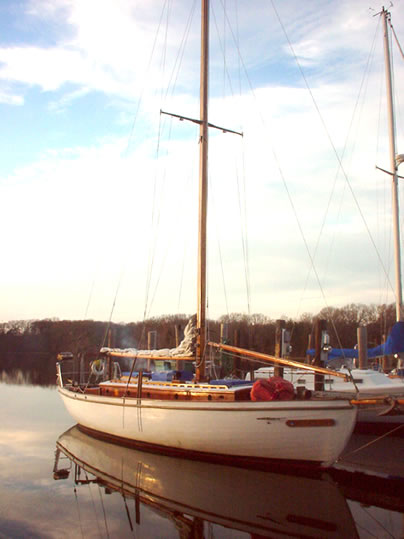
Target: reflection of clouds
[(26, 408), (16, 528), (23, 443), (33, 504), (38, 507), (19, 437)]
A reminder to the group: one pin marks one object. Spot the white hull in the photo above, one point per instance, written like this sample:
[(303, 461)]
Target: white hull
[(244, 430)]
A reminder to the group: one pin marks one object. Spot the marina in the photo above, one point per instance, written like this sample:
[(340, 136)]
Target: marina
[(200, 417), (214, 436)]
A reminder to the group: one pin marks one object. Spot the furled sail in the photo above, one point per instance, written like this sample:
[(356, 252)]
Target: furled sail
[(186, 348)]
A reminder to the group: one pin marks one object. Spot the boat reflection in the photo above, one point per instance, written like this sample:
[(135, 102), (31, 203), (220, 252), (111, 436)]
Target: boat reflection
[(191, 493)]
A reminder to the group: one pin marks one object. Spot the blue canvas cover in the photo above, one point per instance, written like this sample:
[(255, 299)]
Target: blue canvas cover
[(393, 345)]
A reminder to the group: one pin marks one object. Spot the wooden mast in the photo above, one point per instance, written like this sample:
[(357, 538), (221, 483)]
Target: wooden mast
[(393, 168), (203, 193)]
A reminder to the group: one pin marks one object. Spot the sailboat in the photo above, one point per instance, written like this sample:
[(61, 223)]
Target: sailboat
[(380, 398), (194, 418)]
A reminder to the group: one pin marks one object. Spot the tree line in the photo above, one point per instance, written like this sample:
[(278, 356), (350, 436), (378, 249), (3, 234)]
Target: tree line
[(32, 345)]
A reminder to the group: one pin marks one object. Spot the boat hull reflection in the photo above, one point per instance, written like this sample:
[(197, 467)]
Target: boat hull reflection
[(257, 502)]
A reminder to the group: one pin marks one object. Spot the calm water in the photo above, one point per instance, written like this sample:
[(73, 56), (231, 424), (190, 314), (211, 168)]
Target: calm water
[(103, 490)]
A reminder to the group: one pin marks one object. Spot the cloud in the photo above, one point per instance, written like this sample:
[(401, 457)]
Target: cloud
[(87, 204), (48, 68), (107, 56), (10, 99)]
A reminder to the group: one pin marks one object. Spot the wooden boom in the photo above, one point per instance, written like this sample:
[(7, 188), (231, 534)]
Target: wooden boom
[(273, 359)]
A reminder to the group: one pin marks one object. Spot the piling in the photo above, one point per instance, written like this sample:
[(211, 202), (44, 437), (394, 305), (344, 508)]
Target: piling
[(280, 325), (319, 330), (151, 345), (178, 338), (237, 360), (362, 334)]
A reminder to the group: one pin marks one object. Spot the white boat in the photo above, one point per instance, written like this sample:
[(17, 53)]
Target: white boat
[(256, 502), (386, 395), (202, 420), (359, 382)]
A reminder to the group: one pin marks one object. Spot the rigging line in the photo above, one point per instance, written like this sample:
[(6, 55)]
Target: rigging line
[(369, 514), (164, 51), (144, 78), (163, 262), (364, 446), (332, 144), (185, 246), (361, 527), (92, 501), (181, 51), (240, 58), (238, 42), (224, 50), (244, 215), (90, 296), (181, 278), (223, 47), (244, 184), (155, 222), (396, 94), (383, 289), (364, 77), (179, 62), (127, 511), (283, 177), (154, 227), (103, 510), (402, 54), (244, 242), (78, 509), (396, 38), (113, 305), (213, 205), (127, 148)]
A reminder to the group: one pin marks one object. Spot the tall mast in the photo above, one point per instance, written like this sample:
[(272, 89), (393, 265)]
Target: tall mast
[(393, 167), (203, 192)]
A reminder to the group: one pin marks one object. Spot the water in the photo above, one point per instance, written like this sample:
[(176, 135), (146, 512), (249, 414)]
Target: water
[(108, 491)]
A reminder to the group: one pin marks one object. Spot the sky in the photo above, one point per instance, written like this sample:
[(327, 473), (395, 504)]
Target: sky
[(99, 190)]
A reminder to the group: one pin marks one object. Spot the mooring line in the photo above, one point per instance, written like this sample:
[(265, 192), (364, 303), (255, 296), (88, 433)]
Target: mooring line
[(371, 442)]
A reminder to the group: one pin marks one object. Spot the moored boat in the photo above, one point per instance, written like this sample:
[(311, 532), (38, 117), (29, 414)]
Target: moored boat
[(199, 419), (214, 422)]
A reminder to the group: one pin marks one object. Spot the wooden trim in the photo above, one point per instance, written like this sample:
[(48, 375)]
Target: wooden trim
[(215, 406), (377, 401), (310, 422)]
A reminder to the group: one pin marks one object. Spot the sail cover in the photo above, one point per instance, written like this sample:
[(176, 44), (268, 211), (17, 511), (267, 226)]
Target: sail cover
[(185, 349), (393, 345)]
